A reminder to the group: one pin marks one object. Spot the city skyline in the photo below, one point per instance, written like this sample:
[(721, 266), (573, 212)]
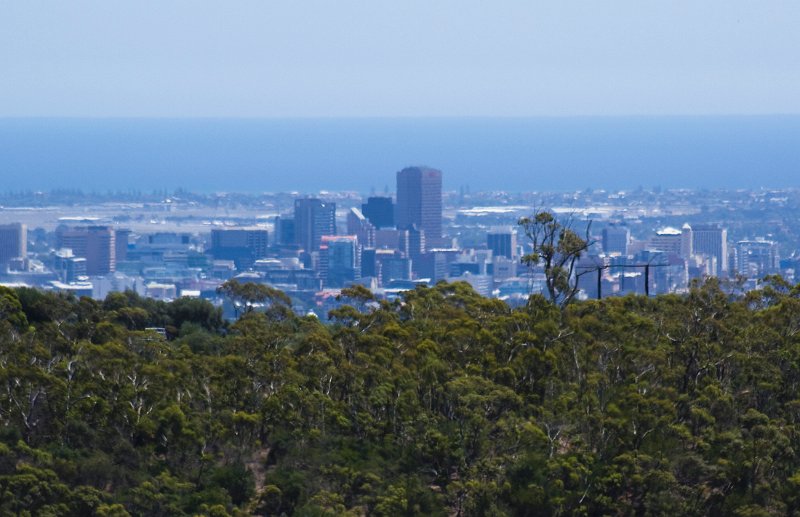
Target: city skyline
[(399, 258), (312, 246)]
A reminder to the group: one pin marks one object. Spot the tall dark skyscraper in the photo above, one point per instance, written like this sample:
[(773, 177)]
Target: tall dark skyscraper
[(419, 201), (379, 211), (313, 218), (13, 243)]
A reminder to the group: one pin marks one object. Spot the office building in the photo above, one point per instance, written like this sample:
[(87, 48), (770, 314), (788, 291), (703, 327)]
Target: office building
[(160, 247), (340, 260), (758, 258), (243, 246), (121, 239), (482, 284), (687, 244), (67, 266), (313, 218), (368, 263), (379, 211), (616, 240), (502, 241), (97, 244), (392, 265), (361, 227), (101, 250), (416, 243), (419, 202), (13, 243), (392, 239), (667, 240), (711, 240), (284, 230)]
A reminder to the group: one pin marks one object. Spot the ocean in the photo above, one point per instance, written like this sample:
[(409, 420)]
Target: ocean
[(309, 155)]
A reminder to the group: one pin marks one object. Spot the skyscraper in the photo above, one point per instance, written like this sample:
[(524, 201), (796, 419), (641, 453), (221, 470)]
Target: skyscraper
[(340, 260), (712, 240), (419, 201), (13, 242), (379, 211), (616, 239), (668, 240), (359, 226), (96, 243), (502, 241), (121, 238), (284, 230), (313, 218), (755, 259)]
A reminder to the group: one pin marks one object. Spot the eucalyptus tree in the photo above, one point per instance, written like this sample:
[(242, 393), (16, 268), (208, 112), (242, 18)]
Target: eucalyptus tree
[(556, 247)]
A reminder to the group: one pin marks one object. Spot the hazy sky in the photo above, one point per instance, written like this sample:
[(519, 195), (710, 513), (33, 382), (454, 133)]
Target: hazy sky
[(404, 57)]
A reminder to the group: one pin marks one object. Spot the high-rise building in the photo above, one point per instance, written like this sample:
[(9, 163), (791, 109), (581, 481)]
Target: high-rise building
[(756, 259), (122, 238), (340, 260), (392, 239), (415, 249), (616, 239), (392, 265), (379, 211), (68, 267), (419, 201), (667, 240), (368, 263), (712, 240), (242, 245), (13, 242), (416, 244), (101, 250), (359, 225), (687, 244), (502, 241), (313, 218), (284, 230), (97, 244)]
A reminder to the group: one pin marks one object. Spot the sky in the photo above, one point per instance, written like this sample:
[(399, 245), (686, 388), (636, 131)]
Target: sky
[(375, 58)]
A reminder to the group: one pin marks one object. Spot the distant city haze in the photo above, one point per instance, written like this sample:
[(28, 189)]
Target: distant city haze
[(309, 155)]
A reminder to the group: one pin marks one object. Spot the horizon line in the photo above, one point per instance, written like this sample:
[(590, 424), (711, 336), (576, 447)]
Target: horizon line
[(398, 117)]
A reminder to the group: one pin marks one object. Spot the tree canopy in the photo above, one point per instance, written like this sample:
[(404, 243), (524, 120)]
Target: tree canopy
[(441, 403)]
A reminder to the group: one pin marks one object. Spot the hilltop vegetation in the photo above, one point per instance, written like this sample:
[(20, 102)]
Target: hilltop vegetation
[(445, 403)]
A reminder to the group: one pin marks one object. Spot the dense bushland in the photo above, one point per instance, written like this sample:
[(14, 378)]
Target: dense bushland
[(444, 403)]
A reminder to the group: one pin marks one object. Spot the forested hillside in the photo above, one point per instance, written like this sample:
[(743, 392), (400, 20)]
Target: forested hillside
[(444, 403)]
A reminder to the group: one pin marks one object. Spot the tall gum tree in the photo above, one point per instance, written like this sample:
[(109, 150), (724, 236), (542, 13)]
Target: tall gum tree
[(556, 247)]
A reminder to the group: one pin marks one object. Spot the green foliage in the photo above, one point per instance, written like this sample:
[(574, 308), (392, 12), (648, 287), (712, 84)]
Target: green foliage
[(556, 248), (248, 295), (442, 403), (11, 313)]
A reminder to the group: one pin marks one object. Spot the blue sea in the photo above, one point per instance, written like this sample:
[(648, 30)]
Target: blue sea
[(309, 155)]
